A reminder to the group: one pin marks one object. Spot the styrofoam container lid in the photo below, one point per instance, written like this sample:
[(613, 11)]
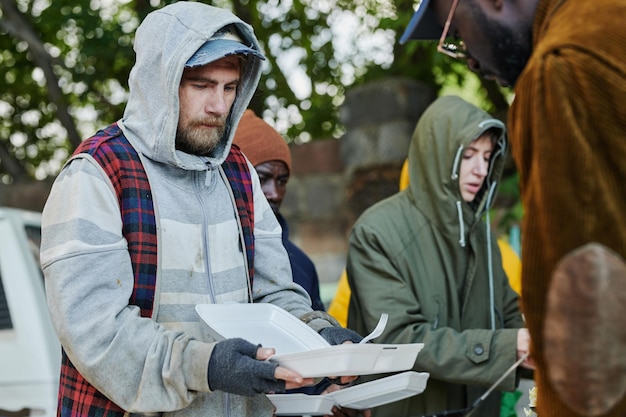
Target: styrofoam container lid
[(300, 348), (262, 323), (351, 359)]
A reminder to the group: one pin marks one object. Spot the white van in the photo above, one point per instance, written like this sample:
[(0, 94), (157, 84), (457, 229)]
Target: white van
[(30, 352)]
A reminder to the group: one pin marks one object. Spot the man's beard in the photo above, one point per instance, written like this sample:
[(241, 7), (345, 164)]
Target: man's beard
[(196, 139), (512, 53), (512, 49)]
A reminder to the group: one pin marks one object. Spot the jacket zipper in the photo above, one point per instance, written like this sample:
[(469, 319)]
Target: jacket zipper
[(205, 241)]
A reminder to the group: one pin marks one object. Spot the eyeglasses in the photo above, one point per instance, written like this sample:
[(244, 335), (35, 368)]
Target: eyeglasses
[(453, 47)]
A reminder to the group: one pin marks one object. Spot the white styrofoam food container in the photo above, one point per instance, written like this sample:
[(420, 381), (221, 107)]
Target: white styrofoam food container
[(298, 404), (359, 397), (300, 348), (381, 391)]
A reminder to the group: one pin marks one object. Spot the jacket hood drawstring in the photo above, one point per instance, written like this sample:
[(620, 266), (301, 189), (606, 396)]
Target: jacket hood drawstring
[(459, 208), (459, 205), (455, 164), (492, 305)]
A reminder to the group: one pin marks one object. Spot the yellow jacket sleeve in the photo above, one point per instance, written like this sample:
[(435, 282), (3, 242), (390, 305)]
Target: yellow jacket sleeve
[(339, 305)]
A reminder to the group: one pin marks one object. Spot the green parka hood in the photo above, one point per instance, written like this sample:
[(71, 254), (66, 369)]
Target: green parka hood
[(443, 132)]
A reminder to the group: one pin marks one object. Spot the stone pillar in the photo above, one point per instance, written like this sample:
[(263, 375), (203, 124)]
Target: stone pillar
[(315, 208), (379, 118), (333, 181)]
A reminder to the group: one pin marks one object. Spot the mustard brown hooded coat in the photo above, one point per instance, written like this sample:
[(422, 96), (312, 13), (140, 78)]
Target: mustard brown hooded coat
[(568, 137)]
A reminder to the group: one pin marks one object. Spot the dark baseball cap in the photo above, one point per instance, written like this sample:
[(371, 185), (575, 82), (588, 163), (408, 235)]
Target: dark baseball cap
[(423, 24)]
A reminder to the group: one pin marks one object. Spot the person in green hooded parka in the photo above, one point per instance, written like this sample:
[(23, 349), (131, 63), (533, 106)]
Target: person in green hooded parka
[(427, 257)]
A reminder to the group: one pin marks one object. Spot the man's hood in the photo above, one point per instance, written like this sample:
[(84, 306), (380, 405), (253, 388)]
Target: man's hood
[(445, 129), (165, 40)]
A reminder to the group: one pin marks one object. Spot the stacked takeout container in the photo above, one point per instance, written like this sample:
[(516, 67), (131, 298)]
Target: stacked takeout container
[(300, 348)]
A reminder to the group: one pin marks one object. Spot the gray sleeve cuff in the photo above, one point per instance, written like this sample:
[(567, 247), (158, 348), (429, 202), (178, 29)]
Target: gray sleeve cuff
[(317, 320), (195, 365)]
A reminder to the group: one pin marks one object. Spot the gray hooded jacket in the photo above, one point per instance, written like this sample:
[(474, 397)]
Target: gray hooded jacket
[(160, 364)]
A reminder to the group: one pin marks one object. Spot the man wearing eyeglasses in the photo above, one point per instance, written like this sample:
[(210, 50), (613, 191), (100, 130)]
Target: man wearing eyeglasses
[(567, 125)]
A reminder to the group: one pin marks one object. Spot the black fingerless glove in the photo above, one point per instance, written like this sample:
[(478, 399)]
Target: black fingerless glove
[(338, 335), (233, 368)]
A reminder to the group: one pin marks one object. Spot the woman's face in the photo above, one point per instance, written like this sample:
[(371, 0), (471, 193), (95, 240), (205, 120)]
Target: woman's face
[(475, 166)]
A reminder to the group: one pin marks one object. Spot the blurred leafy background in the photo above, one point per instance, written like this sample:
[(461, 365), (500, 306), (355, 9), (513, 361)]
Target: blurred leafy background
[(64, 67)]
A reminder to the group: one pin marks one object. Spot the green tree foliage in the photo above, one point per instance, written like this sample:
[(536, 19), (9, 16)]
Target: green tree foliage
[(62, 63), (64, 68)]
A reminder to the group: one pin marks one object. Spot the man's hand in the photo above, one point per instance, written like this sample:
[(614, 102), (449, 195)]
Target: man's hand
[(339, 335), (349, 412), (239, 367), (292, 379), (344, 412), (523, 347)]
